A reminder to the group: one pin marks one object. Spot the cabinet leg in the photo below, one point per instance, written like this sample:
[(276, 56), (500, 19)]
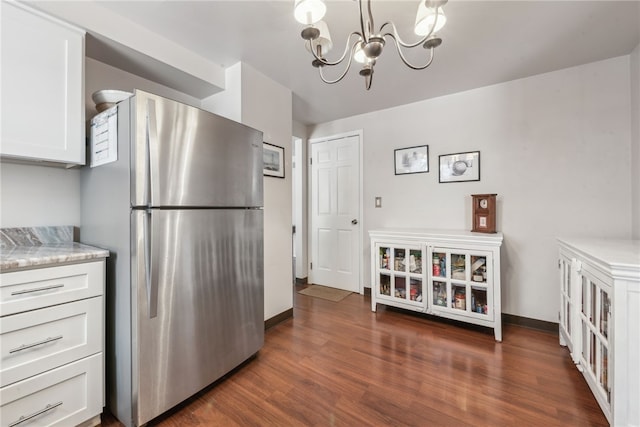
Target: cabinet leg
[(374, 306), (497, 332)]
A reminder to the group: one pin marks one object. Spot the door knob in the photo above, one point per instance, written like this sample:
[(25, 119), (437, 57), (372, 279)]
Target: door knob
[(354, 221)]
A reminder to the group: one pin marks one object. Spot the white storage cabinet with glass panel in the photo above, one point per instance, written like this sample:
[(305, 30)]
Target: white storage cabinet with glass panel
[(453, 274), (600, 320)]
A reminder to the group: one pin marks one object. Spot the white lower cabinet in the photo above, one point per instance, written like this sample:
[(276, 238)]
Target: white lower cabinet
[(65, 396), (600, 321), (51, 345), (35, 343), (453, 274)]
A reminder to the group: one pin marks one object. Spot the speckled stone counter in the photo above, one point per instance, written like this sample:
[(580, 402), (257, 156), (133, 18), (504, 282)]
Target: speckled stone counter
[(22, 248)]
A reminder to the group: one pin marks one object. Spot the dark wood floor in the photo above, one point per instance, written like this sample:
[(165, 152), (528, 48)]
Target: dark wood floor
[(339, 364)]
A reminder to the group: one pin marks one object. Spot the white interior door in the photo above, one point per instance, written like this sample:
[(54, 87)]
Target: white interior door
[(335, 213)]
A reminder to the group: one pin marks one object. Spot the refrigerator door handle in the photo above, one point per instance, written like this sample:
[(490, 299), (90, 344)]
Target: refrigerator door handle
[(151, 273), (152, 152)]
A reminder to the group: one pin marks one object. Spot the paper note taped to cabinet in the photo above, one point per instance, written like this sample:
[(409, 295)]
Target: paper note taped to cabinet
[(104, 137)]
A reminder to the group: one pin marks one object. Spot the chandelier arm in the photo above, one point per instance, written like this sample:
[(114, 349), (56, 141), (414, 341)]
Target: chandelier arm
[(344, 73), (399, 40), (407, 63), (344, 54)]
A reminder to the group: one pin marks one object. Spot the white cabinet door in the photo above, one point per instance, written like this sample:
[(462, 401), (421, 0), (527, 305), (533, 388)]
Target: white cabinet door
[(37, 341), (42, 87), (28, 290), (65, 396), (399, 276)]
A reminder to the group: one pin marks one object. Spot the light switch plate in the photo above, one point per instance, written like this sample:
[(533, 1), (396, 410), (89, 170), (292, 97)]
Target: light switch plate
[(378, 202)]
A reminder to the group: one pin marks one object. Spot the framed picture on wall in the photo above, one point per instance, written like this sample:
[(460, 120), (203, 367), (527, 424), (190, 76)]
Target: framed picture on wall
[(273, 160), (411, 160), (460, 167)]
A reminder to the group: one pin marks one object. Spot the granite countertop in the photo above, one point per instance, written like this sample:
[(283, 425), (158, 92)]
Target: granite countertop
[(43, 246)]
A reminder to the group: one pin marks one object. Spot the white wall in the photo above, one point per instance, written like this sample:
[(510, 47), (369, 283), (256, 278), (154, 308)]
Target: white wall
[(555, 147), (99, 75), (266, 106), (635, 140), (227, 103), (301, 198), (32, 196)]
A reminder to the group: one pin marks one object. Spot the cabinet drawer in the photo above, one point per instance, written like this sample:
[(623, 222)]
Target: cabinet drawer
[(65, 396), (39, 340), (32, 289)]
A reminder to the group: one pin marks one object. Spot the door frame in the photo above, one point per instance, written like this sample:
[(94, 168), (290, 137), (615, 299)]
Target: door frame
[(359, 134)]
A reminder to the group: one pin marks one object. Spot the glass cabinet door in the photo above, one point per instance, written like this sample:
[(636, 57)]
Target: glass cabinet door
[(566, 303), (460, 282), (595, 321), (400, 274)]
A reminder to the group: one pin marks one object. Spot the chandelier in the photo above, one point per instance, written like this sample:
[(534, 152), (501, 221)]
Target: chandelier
[(365, 46)]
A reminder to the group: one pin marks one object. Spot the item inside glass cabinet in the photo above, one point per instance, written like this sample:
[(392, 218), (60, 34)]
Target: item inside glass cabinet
[(415, 261), (440, 294), (400, 288), (385, 285), (415, 290), (459, 297), (398, 259), (479, 301), (385, 256), (439, 264), (478, 268), (458, 267)]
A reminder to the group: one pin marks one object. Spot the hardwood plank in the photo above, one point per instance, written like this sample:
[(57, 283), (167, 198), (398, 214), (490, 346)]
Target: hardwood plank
[(339, 364)]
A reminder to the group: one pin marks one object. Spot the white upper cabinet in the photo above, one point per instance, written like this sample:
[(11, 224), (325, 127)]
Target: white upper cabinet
[(42, 87)]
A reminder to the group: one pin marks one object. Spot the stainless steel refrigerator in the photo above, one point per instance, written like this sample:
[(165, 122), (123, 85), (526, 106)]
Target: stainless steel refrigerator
[(176, 195)]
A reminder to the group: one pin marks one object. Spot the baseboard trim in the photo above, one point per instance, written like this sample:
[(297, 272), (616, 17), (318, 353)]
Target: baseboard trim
[(527, 322), (301, 281), (278, 318)]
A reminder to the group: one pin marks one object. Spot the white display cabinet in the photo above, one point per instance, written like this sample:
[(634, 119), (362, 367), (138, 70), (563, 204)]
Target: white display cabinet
[(600, 321), (453, 274)]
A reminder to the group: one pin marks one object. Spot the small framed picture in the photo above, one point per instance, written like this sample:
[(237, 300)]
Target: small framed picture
[(412, 160), (460, 167), (273, 160)]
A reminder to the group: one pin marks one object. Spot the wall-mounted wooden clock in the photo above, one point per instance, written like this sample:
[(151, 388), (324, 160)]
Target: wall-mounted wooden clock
[(484, 213)]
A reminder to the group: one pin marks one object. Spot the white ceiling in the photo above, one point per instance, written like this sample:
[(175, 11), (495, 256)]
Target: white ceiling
[(484, 42)]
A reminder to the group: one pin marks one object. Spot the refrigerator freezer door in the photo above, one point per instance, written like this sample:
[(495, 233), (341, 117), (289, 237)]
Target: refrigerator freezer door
[(207, 270), (184, 156)]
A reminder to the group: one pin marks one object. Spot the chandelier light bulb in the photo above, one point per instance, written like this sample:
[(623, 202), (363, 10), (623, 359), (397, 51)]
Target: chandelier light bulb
[(309, 11), (323, 40), (359, 55), (426, 17)]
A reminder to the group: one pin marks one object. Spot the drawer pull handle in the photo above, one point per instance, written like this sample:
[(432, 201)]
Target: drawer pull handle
[(28, 291), (26, 346), (35, 414)]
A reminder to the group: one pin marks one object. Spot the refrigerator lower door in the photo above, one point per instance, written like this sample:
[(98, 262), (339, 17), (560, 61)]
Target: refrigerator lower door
[(198, 283)]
